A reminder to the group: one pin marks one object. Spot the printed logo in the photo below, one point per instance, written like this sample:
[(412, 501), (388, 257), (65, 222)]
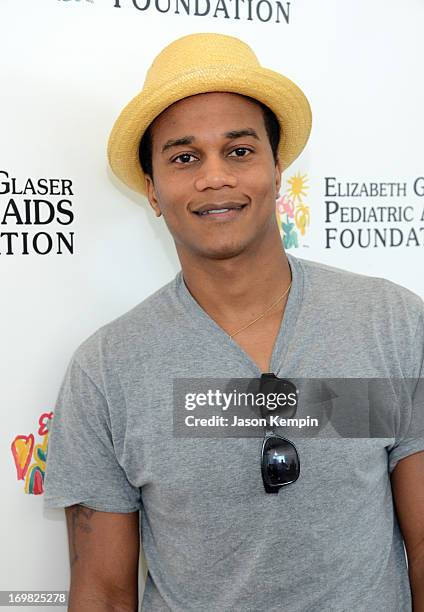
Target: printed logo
[(30, 460), (293, 213), (33, 225), (373, 214)]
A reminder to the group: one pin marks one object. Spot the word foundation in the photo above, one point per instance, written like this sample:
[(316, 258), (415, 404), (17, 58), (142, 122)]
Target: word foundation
[(374, 237), (42, 243), (248, 10)]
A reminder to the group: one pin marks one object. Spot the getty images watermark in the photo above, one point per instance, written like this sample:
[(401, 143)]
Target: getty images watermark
[(255, 401), (306, 407)]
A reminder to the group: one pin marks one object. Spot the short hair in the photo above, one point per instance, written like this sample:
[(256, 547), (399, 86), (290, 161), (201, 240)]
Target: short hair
[(272, 127)]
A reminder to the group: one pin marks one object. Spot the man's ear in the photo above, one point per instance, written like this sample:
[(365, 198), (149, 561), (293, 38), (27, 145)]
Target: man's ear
[(278, 171), (151, 195)]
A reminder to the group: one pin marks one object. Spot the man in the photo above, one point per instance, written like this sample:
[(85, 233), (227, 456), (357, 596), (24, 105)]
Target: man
[(200, 143)]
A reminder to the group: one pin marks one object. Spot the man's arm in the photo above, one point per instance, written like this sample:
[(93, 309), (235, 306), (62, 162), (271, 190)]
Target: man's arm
[(104, 551), (408, 492)]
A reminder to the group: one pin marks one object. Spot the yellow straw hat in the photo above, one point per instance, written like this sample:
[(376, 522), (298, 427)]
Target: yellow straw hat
[(201, 63)]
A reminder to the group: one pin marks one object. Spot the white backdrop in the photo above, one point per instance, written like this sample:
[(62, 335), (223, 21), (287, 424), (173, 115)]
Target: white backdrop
[(68, 67)]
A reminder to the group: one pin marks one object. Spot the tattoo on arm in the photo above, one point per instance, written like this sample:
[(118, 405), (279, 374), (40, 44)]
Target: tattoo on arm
[(80, 519)]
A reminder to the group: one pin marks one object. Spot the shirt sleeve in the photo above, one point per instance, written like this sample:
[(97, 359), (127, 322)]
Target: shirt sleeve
[(413, 439), (82, 467)]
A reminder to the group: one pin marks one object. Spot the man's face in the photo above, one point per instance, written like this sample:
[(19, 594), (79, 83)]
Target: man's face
[(211, 151)]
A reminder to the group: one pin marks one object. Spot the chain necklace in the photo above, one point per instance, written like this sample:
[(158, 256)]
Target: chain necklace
[(263, 314)]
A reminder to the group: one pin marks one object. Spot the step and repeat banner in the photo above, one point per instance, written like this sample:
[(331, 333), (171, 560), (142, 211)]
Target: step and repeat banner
[(77, 248)]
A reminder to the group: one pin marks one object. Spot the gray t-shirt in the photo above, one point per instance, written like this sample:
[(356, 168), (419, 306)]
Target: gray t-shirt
[(213, 539)]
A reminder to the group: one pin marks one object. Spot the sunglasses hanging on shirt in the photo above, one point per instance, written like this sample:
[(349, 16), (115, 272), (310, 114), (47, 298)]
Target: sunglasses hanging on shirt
[(280, 463)]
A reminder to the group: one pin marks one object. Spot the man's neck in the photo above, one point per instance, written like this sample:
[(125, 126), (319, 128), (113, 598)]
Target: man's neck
[(230, 289)]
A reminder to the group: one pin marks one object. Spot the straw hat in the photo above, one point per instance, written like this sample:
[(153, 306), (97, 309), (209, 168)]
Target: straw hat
[(201, 63)]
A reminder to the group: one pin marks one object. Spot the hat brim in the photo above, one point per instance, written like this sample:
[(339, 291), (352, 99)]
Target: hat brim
[(279, 93)]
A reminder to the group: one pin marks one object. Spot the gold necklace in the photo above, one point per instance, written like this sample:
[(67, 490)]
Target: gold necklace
[(263, 314)]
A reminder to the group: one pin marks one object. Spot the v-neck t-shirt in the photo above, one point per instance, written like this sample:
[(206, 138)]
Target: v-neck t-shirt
[(212, 538)]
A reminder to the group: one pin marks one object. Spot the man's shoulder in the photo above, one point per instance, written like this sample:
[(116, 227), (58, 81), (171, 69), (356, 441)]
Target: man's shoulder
[(135, 329), (343, 285)]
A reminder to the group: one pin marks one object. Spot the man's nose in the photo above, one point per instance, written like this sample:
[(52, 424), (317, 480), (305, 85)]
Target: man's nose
[(215, 174)]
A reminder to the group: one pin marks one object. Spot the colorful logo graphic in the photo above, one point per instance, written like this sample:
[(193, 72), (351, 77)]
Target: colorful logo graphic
[(24, 451), (292, 212)]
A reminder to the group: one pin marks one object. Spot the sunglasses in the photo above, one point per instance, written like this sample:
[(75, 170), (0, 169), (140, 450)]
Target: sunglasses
[(280, 463)]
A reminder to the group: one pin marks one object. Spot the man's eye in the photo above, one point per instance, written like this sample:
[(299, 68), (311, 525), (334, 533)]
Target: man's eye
[(184, 157), (240, 151)]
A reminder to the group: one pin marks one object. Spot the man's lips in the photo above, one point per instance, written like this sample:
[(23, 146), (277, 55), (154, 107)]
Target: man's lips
[(218, 209)]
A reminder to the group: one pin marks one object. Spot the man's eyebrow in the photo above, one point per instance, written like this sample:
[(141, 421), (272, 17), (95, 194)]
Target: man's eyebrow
[(245, 132), (176, 142), (232, 134)]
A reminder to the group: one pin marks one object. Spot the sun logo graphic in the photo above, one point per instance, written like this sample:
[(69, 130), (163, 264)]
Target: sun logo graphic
[(293, 214)]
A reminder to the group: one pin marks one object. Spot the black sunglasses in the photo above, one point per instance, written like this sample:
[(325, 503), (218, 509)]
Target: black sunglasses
[(280, 463)]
